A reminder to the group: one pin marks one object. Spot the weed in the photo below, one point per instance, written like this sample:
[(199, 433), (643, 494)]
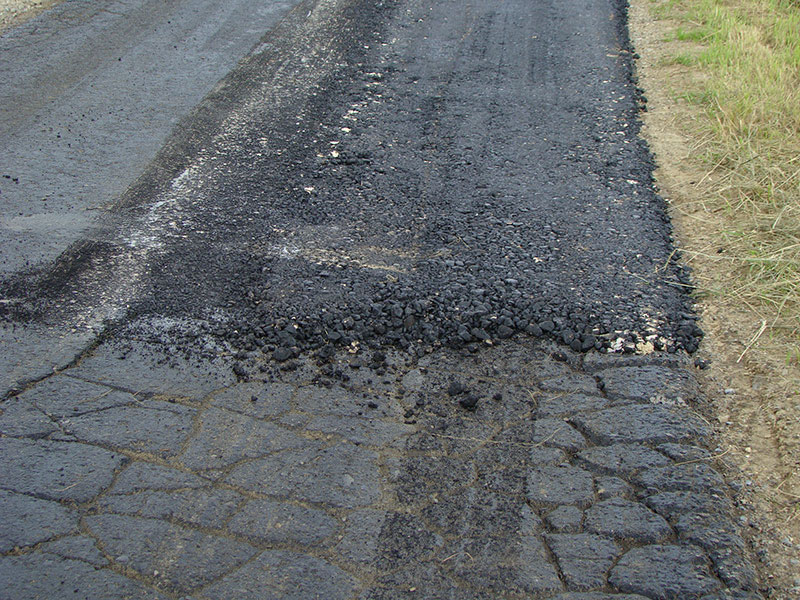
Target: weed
[(748, 52)]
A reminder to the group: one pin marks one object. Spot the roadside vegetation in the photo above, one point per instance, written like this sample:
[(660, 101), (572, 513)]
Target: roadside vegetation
[(745, 55)]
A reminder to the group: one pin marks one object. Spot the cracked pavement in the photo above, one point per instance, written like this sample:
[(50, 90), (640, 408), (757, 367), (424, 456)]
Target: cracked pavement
[(569, 476)]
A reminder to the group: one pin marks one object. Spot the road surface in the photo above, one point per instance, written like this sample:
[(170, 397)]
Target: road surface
[(395, 312)]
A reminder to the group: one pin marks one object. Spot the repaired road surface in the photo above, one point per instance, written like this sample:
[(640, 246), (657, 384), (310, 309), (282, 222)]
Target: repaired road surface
[(361, 306)]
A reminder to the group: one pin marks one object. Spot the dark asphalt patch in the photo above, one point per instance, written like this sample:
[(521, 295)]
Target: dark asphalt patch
[(413, 175)]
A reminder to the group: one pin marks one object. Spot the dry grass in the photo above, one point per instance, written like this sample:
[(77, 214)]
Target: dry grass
[(745, 55), (723, 85)]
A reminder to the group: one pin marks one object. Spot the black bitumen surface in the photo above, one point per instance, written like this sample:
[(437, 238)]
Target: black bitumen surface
[(445, 180), (89, 92)]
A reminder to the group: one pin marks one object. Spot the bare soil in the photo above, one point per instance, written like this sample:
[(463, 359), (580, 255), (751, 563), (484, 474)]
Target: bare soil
[(750, 383)]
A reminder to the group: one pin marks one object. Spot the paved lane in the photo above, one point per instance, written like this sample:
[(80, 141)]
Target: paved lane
[(89, 91), (364, 302)]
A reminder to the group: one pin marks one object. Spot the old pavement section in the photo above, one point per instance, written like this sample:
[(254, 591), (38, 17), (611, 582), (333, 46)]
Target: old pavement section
[(365, 301)]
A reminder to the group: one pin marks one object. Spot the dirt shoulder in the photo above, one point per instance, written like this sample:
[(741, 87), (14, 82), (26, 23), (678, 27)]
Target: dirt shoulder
[(751, 386), (16, 12)]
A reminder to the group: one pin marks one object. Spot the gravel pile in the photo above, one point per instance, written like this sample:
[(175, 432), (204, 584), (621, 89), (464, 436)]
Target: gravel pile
[(424, 202)]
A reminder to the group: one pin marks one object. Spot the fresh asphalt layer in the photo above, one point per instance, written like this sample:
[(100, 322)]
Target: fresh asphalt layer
[(357, 316)]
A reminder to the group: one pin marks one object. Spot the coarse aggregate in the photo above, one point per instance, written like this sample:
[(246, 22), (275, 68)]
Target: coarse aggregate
[(435, 175)]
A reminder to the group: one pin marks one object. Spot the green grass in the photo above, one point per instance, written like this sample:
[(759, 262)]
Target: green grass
[(696, 34), (687, 60), (748, 52)]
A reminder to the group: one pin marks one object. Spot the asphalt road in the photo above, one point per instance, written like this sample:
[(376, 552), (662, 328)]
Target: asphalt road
[(476, 176), (89, 92), (355, 317)]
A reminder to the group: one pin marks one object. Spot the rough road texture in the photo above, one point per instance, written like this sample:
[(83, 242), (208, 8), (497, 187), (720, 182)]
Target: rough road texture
[(524, 471), (413, 172), (307, 397), (89, 92)]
